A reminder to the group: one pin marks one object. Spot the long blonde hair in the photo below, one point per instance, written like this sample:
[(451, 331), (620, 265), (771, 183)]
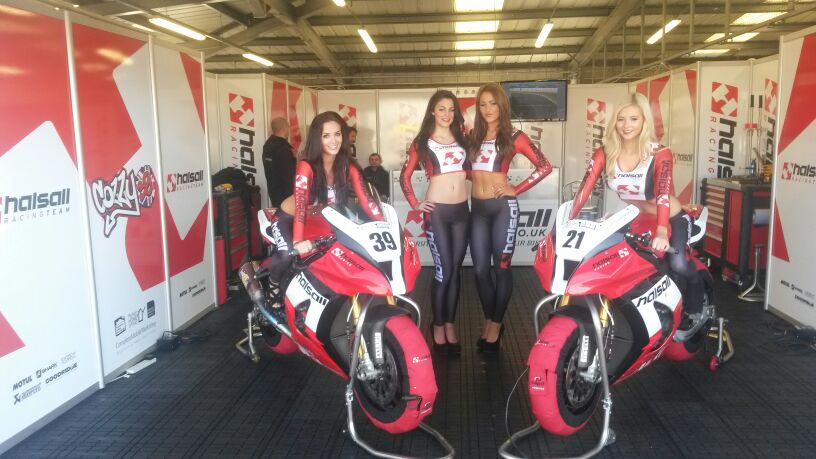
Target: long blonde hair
[(613, 145)]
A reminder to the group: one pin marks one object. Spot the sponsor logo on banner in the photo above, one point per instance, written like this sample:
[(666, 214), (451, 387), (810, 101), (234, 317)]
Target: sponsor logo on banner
[(242, 134), (348, 113), (595, 128), (124, 196), (413, 224), (135, 321), (533, 224), (184, 181), (805, 173), (769, 104), (193, 290), (36, 205), (722, 125), (35, 380), (800, 294)]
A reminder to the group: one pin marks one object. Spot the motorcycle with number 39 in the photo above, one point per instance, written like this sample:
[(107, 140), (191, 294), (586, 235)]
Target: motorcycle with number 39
[(344, 306), (616, 308)]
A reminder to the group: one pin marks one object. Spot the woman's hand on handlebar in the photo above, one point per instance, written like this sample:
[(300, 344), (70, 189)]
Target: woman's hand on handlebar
[(303, 247), (426, 206), (660, 243)]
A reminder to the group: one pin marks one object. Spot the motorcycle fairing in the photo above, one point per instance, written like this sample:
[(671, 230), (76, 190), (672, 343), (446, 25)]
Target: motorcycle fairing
[(347, 272), (381, 242)]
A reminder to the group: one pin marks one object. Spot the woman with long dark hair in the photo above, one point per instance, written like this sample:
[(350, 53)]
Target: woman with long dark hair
[(495, 209), (325, 175), (441, 149)]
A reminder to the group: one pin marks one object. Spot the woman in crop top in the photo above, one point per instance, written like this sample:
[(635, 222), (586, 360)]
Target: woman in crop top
[(494, 217), (324, 176), (640, 171), (440, 148)]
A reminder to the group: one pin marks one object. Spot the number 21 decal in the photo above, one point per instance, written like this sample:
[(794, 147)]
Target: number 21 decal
[(571, 235)]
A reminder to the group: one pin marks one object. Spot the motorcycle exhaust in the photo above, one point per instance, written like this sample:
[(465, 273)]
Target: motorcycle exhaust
[(252, 286)]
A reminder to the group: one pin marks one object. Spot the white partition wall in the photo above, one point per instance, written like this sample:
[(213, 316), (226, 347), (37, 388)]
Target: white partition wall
[(790, 286), (399, 117), (682, 128), (188, 220), (48, 327), (115, 101), (765, 89), (359, 109)]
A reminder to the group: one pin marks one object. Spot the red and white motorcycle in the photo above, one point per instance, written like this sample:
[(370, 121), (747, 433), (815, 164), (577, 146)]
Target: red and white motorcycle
[(616, 310), (344, 306)]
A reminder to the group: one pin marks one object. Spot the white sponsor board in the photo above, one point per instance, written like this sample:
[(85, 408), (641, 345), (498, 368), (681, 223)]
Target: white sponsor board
[(211, 105), (359, 109), (185, 186), (548, 136), (683, 122), (790, 286), (400, 114)]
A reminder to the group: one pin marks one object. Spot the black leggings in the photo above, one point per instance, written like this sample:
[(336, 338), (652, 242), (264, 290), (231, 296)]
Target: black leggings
[(281, 232), (493, 224), (446, 231), (681, 225)]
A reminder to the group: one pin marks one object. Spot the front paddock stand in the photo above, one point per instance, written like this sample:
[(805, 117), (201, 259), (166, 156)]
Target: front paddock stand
[(607, 434), (245, 345)]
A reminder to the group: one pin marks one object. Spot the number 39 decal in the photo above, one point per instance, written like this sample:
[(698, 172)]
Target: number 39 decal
[(383, 241)]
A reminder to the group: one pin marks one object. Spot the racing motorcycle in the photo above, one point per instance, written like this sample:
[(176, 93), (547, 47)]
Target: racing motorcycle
[(344, 306), (617, 308)]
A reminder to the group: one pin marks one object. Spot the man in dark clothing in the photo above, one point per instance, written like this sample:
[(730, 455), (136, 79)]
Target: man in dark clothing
[(279, 163), (353, 141), (377, 176)]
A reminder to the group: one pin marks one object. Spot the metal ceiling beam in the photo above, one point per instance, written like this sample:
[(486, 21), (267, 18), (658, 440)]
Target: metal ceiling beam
[(245, 20), (282, 10), (619, 15), (258, 8), (526, 14), (109, 8)]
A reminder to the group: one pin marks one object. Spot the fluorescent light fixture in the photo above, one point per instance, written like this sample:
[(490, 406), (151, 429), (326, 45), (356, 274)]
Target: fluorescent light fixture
[(666, 29), (141, 27), (476, 27), (542, 37), (475, 44), (709, 52), (473, 59), (737, 39), (367, 39), (756, 18), (339, 2), (258, 59), (178, 28), (462, 6)]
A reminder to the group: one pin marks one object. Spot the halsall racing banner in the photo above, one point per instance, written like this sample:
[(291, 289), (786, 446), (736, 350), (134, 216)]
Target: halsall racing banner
[(121, 168), (47, 346), (683, 121), (793, 254), (180, 94)]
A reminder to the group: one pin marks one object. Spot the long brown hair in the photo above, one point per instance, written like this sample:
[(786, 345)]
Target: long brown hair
[(313, 154), (504, 134), (426, 130)]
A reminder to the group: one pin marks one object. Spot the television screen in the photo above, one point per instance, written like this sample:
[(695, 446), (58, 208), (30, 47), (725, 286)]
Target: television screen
[(537, 100)]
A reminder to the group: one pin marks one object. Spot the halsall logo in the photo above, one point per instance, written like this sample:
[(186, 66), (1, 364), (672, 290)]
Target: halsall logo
[(798, 172), (724, 99), (124, 196), (596, 111), (771, 95), (348, 113), (453, 157), (40, 204), (184, 181), (241, 110)]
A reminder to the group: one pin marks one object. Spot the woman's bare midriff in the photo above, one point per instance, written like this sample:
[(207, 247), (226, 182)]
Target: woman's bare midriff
[(485, 184), (650, 206), (447, 188)]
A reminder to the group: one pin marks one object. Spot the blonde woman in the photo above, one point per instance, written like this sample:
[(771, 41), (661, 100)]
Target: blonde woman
[(640, 171)]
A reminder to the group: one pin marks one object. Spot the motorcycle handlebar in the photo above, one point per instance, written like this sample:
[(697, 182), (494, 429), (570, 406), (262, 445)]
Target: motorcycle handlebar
[(645, 239)]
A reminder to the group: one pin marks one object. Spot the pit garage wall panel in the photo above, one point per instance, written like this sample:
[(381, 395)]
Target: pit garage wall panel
[(399, 116), (211, 105), (188, 218), (724, 91), (119, 145), (358, 109), (765, 83), (683, 110), (792, 263), (47, 349), (242, 131)]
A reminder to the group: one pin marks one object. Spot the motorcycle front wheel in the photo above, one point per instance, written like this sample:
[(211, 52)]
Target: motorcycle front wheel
[(562, 400), (404, 391)]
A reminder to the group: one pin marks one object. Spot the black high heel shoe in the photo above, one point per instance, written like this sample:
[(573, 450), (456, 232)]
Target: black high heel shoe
[(441, 349), (493, 347), (454, 348)]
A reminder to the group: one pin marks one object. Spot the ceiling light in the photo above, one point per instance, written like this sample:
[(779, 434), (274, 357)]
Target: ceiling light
[(666, 29), (542, 37), (709, 52), (178, 28), (141, 27), (462, 6), (475, 44), (473, 59), (756, 18), (258, 59), (339, 2), (477, 26), (367, 39), (737, 39)]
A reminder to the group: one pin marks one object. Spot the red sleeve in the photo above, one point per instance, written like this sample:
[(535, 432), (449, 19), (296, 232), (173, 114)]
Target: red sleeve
[(303, 183), (663, 185), (366, 202), (405, 176), (526, 147), (595, 169)]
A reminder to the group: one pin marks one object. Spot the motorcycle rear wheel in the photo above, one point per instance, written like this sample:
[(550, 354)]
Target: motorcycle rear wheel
[(405, 390), (562, 401)]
